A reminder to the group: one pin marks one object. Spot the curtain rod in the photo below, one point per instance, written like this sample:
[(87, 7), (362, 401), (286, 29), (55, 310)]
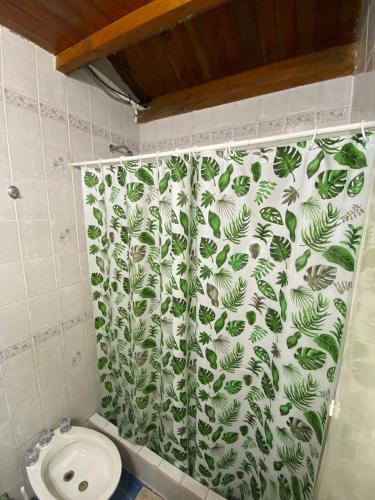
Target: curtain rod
[(350, 127)]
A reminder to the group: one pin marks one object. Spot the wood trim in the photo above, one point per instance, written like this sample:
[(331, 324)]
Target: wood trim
[(153, 18), (301, 70)]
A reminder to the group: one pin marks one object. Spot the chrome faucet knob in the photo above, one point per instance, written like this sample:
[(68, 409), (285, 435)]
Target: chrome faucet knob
[(65, 425), (31, 456), (45, 437)]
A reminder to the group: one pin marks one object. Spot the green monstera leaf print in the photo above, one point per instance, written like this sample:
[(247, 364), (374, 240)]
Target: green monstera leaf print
[(220, 288)]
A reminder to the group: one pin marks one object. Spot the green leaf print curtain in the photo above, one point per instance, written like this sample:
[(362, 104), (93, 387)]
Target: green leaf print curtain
[(221, 284)]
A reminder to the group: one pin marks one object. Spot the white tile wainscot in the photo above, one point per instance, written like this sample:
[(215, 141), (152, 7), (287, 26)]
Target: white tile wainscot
[(155, 472)]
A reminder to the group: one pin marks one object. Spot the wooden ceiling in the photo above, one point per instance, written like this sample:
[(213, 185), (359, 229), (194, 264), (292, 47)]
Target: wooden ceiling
[(180, 55)]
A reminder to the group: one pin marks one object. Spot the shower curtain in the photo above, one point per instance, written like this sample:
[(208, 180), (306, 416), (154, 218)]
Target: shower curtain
[(221, 284)]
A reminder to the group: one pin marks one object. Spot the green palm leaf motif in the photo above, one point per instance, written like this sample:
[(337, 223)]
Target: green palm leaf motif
[(230, 415), (233, 359), (310, 359), (280, 248), (320, 277), (237, 229), (234, 298), (178, 168), (241, 185), (302, 394), (330, 183), (321, 230), (287, 159), (209, 169), (292, 456), (310, 320), (351, 156)]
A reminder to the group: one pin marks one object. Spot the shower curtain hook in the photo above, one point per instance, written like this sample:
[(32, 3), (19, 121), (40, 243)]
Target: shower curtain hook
[(313, 138), (193, 153), (364, 136), (229, 148)]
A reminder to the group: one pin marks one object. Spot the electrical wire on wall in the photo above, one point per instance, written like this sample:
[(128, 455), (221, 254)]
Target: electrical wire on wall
[(115, 92)]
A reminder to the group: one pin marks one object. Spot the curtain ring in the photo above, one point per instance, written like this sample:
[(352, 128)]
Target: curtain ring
[(364, 136), (193, 153), (189, 154), (229, 148), (313, 138)]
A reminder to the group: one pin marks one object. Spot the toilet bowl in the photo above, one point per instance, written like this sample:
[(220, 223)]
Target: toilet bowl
[(79, 464)]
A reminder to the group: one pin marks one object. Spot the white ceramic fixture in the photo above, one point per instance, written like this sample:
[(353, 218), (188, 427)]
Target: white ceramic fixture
[(77, 464)]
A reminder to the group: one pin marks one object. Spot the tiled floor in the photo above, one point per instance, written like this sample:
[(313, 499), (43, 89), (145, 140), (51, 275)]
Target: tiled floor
[(130, 488)]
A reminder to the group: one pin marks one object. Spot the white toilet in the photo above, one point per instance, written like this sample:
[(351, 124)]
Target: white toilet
[(74, 463)]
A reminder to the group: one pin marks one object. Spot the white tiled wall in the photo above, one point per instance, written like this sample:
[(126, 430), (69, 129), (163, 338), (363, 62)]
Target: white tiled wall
[(320, 104), (47, 345)]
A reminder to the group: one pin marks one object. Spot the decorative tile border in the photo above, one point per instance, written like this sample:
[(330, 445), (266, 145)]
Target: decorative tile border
[(149, 147), (14, 350), (101, 132), (71, 323), (275, 125), (305, 120), (183, 141), (246, 131), (79, 124), (165, 144), (45, 335), (223, 134), (333, 115), (20, 101), (117, 138), (41, 337), (53, 113)]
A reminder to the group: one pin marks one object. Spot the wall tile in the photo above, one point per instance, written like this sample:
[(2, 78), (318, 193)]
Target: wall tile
[(70, 301), (12, 275), (64, 236), (23, 122), (7, 205), (26, 157), (22, 393), (35, 239), (99, 107), (29, 424), (40, 276), (78, 96), (14, 323), (61, 200), (32, 205), (51, 82), (19, 64), (67, 270), (56, 159), (52, 376), (54, 131), (4, 414), (49, 349), (44, 311), (10, 247), (8, 444), (17, 366)]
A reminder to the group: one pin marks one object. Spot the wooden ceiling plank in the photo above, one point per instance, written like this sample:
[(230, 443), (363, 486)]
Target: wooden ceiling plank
[(143, 23), (326, 23), (177, 62), (286, 23), (248, 32), (349, 13), (126, 71), (187, 52), (301, 70), (52, 16), (31, 27), (306, 22), (227, 25), (267, 30)]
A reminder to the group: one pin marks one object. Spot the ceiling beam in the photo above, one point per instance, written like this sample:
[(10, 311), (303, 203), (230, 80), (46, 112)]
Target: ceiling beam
[(301, 70), (142, 23)]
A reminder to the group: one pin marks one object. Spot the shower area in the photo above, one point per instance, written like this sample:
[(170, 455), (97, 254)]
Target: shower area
[(187, 248), (222, 281)]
